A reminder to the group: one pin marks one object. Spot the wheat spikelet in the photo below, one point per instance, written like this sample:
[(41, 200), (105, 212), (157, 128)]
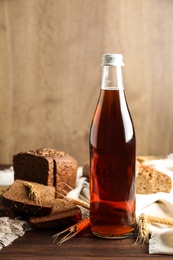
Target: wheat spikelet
[(34, 193), (72, 231), (143, 231)]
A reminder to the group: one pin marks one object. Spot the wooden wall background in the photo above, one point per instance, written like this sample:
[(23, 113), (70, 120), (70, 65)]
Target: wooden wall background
[(50, 73)]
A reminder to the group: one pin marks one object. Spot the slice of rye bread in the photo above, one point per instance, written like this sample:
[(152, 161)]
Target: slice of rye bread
[(46, 166), (150, 180), (63, 214), (29, 197), (6, 211)]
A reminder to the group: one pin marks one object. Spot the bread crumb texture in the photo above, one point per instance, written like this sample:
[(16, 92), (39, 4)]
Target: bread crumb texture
[(150, 180)]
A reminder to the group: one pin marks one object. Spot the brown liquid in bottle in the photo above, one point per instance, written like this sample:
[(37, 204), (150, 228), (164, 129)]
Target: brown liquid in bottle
[(112, 167)]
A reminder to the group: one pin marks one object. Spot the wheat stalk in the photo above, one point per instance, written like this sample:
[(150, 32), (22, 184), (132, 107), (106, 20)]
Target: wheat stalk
[(143, 231)]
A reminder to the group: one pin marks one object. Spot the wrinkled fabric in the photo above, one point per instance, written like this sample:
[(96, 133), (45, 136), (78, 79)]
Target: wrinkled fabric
[(11, 229), (158, 205)]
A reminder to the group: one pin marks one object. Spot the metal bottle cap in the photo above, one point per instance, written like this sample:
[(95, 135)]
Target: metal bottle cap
[(112, 60)]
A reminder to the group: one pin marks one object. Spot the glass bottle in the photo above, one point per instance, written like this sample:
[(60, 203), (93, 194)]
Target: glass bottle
[(112, 157)]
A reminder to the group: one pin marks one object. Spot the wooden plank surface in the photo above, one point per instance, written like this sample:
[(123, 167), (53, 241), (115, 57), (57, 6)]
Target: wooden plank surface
[(39, 245), (50, 73)]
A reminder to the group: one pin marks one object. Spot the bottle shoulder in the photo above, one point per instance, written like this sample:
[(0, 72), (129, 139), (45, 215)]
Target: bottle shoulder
[(112, 121), (112, 105)]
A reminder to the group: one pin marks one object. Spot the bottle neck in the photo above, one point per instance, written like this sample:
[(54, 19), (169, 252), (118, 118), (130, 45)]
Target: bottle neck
[(112, 78)]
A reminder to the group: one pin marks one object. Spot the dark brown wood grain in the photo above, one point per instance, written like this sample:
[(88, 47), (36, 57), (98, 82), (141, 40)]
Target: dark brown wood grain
[(39, 245)]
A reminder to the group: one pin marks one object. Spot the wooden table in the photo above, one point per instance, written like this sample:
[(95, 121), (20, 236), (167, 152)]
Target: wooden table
[(39, 245)]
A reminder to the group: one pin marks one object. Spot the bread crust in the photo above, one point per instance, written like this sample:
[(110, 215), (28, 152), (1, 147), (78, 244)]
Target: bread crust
[(65, 173)]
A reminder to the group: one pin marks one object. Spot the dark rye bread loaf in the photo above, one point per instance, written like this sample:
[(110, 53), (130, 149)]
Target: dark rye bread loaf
[(29, 197), (30, 166), (63, 214), (46, 166)]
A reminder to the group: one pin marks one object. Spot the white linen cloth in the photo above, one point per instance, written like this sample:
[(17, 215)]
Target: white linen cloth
[(11, 229), (158, 205), (6, 177)]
